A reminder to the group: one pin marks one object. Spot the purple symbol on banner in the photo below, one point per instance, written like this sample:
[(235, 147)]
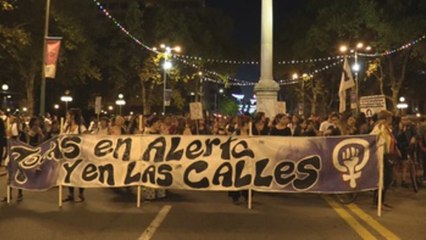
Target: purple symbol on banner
[(350, 156)]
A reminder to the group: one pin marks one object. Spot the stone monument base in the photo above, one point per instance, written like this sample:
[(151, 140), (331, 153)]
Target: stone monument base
[(266, 96)]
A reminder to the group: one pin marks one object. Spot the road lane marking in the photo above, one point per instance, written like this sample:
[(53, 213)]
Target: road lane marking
[(353, 223), (150, 230), (372, 222)]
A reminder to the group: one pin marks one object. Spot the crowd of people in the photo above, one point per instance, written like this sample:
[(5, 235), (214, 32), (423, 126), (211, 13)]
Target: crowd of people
[(404, 136)]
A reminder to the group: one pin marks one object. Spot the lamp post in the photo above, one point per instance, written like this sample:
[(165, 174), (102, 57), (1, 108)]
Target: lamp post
[(43, 76), (215, 99), (402, 105), (66, 99), (167, 53), (4, 87), (356, 67), (120, 102)]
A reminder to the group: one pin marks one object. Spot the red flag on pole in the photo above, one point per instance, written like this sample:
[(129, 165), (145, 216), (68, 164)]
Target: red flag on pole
[(53, 45)]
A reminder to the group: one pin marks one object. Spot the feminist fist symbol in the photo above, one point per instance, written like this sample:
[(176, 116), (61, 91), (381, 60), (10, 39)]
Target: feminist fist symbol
[(350, 160), (350, 157)]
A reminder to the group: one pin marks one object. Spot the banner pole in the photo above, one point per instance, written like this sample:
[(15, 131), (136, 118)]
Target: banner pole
[(379, 201), (139, 196), (60, 196), (250, 191), (140, 123), (62, 125), (8, 193)]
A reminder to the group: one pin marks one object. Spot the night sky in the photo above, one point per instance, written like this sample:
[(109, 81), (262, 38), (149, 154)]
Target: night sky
[(246, 16)]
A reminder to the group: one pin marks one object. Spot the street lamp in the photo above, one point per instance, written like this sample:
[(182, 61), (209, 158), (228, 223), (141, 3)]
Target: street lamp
[(167, 52), (216, 100), (402, 105), (120, 102), (356, 66), (4, 87), (66, 99)]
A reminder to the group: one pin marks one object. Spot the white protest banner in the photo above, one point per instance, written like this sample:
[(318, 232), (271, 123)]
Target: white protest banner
[(372, 104), (213, 163), (196, 110)]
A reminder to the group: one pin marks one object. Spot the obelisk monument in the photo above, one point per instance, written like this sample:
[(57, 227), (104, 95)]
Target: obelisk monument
[(266, 89)]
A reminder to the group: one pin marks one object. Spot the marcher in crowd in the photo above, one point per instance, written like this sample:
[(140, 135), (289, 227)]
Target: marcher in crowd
[(75, 125), (385, 137)]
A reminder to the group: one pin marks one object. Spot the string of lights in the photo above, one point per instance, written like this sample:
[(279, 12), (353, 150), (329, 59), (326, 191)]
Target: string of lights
[(235, 81), (396, 50), (309, 75), (225, 61)]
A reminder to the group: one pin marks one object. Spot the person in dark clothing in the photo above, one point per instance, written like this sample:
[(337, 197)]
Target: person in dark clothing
[(243, 128), (308, 129), (280, 125), (75, 125), (405, 134), (260, 124), (3, 140), (294, 126)]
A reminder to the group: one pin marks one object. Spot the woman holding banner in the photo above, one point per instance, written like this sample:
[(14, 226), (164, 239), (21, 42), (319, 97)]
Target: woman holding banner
[(242, 129), (385, 137), (155, 127), (75, 125)]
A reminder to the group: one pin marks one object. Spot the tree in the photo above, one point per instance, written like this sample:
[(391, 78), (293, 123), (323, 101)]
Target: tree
[(384, 24)]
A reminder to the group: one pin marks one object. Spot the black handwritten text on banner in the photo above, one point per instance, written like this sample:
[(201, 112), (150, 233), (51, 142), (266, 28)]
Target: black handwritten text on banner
[(266, 163)]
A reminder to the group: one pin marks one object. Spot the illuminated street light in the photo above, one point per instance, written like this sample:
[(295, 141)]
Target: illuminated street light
[(178, 49), (402, 99), (167, 65), (402, 106), (167, 51), (120, 102), (24, 109), (66, 99), (221, 90), (56, 106), (343, 49), (294, 76), (5, 87), (110, 108), (356, 67)]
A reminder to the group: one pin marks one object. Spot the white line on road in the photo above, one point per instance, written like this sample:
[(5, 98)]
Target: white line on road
[(150, 230)]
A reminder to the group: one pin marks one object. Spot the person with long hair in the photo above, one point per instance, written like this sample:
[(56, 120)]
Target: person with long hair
[(280, 125), (75, 125), (260, 124)]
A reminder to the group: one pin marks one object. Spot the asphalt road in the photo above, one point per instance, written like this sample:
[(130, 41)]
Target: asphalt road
[(188, 215)]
